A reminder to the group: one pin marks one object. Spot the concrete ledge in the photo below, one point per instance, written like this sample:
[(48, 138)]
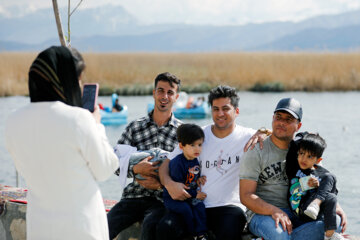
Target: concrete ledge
[(12, 222), (133, 233), (13, 225)]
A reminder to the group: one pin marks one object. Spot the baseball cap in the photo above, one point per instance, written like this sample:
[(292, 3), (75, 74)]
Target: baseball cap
[(290, 105)]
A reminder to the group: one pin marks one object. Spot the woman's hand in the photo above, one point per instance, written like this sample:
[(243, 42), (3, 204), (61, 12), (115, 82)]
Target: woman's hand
[(96, 114)]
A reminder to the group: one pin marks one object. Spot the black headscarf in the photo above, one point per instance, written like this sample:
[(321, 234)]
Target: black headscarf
[(53, 77)]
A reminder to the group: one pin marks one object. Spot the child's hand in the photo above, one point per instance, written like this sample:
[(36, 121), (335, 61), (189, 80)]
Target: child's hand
[(201, 181), (200, 195), (313, 182)]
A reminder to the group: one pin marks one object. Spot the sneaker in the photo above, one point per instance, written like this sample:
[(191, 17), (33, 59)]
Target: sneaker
[(202, 237), (312, 211), (335, 236)]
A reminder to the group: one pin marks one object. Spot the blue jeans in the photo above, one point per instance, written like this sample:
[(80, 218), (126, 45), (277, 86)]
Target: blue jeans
[(264, 226)]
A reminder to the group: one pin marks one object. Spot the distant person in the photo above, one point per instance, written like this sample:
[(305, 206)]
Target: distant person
[(198, 102), (312, 188), (190, 101), (117, 107), (61, 150), (185, 168)]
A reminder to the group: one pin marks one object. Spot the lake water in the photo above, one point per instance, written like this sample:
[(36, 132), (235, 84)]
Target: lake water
[(335, 116)]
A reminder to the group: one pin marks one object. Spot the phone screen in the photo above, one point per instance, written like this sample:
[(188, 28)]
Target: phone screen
[(89, 96)]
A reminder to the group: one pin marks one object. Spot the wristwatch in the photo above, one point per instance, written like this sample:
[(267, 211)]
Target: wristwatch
[(265, 131)]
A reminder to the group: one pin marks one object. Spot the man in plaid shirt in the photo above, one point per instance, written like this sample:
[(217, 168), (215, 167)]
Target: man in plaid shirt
[(142, 199)]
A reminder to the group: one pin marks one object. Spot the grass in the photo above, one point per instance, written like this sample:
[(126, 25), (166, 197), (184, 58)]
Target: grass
[(133, 73)]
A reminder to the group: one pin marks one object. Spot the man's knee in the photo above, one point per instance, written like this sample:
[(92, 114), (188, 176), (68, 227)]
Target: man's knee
[(149, 224), (264, 226), (170, 226)]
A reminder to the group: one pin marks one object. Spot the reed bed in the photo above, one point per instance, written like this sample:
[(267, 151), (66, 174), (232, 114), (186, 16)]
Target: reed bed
[(130, 72)]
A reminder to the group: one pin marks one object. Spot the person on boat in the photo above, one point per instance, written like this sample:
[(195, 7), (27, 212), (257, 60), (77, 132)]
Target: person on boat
[(190, 102), (142, 199), (199, 101), (61, 150), (220, 158), (311, 185), (264, 184), (117, 106)]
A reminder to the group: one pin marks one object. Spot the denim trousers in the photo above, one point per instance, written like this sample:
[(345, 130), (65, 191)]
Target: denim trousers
[(264, 226), (131, 210)]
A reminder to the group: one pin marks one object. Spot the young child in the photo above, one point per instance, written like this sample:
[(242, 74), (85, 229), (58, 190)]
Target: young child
[(185, 168), (312, 188)]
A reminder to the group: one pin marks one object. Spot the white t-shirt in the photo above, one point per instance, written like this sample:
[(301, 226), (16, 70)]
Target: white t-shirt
[(220, 163)]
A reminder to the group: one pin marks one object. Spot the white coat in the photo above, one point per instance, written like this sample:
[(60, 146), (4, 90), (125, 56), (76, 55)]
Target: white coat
[(61, 152)]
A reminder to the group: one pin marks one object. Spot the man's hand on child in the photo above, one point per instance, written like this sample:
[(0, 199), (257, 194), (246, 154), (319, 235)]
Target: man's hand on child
[(178, 191), (313, 182), (200, 195)]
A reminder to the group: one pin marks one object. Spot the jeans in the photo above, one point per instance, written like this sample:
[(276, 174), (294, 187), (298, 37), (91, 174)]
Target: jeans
[(264, 226), (226, 223), (131, 210)]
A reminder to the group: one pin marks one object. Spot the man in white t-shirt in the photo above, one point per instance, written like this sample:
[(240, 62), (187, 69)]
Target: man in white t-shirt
[(220, 161)]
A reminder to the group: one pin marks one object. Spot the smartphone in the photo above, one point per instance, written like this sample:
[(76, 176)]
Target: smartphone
[(89, 97)]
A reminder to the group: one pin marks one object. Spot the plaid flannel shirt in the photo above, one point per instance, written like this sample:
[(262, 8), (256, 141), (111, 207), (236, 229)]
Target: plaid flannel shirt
[(145, 134)]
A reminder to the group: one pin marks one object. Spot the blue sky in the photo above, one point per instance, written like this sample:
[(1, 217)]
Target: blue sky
[(215, 12)]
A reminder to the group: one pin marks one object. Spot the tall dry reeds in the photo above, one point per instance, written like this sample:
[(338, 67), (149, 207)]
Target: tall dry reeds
[(14, 69), (294, 71)]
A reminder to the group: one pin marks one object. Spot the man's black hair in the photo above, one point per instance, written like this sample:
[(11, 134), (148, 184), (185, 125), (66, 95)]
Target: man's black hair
[(188, 133), (222, 91), (170, 78), (313, 143)]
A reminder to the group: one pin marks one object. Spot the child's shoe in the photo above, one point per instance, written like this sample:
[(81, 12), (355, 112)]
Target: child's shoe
[(202, 237), (312, 210), (335, 236)]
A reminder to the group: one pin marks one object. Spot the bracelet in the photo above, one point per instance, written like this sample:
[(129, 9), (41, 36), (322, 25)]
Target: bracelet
[(265, 131)]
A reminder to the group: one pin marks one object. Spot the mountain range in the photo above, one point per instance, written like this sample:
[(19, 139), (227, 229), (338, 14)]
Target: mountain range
[(113, 29)]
